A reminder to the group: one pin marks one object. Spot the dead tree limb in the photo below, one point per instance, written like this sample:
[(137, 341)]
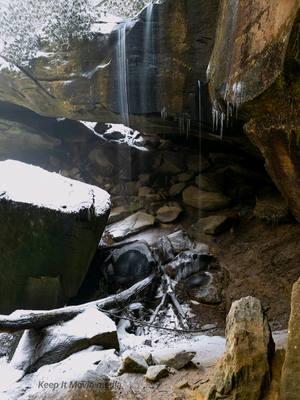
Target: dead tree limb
[(34, 319)]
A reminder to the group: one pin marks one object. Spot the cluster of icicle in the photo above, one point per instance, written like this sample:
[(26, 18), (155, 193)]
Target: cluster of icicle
[(219, 116)]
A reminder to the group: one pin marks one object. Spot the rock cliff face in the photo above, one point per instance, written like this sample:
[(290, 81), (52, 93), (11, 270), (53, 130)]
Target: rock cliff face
[(255, 68), (167, 52)]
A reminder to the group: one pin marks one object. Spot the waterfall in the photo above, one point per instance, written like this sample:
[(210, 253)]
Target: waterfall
[(122, 74), (148, 54)]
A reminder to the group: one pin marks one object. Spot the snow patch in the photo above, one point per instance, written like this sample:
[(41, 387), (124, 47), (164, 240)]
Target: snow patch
[(29, 184), (130, 137)]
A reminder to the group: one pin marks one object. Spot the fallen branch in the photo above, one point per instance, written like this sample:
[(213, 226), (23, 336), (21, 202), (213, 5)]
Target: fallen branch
[(34, 319)]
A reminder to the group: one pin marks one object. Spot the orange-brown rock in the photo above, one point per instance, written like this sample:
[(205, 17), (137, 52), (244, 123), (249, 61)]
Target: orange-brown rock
[(255, 67), (244, 372)]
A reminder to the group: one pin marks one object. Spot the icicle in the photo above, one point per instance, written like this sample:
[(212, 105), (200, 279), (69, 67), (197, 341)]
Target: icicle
[(188, 127), (164, 113), (222, 125)]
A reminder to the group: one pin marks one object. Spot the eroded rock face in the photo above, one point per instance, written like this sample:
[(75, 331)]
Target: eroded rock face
[(50, 230), (244, 370), (82, 82), (255, 67), (290, 382)]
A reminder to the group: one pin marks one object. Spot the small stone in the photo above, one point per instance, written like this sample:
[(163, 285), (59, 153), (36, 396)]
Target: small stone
[(117, 213), (133, 224), (144, 191), (214, 224), (182, 384), (208, 327), (206, 201), (173, 358), (156, 372), (133, 362), (185, 177), (197, 163), (271, 208), (176, 189), (168, 213), (144, 179), (206, 183)]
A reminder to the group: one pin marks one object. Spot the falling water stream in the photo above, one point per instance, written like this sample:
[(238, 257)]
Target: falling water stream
[(199, 107), (147, 59), (122, 74)]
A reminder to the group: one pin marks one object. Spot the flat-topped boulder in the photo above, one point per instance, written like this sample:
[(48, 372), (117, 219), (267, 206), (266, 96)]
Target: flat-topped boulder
[(50, 228)]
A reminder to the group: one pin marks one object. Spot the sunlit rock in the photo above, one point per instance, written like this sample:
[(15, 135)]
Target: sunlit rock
[(290, 383), (244, 372)]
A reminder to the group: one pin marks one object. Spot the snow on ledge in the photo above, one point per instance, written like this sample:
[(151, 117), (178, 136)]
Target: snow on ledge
[(25, 183)]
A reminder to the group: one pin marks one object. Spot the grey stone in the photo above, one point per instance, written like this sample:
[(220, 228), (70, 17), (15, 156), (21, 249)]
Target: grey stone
[(156, 372), (214, 224), (133, 362), (206, 183), (176, 189), (173, 358), (206, 201), (128, 265), (135, 223), (168, 213)]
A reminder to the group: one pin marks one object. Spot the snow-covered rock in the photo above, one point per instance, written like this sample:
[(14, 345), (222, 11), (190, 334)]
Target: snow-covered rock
[(50, 229), (135, 223), (76, 377), (57, 342), (156, 372), (133, 362)]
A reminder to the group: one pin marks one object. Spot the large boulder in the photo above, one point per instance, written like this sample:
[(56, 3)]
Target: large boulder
[(290, 382), (50, 229), (255, 69), (82, 82), (244, 372)]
